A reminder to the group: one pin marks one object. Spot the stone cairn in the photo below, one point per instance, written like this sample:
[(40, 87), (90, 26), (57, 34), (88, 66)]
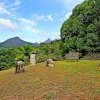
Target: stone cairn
[(49, 63), (19, 67)]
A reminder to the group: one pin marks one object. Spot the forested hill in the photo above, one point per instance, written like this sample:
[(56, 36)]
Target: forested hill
[(81, 32), (14, 42)]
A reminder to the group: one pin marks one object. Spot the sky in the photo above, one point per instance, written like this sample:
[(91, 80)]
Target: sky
[(34, 20)]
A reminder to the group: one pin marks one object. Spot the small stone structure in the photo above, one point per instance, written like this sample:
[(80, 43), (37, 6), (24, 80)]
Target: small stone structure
[(72, 56), (32, 59), (49, 63), (19, 67)]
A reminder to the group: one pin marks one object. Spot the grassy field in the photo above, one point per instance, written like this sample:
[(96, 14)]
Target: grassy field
[(65, 81)]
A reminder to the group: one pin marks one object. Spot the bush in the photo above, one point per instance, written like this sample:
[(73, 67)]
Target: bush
[(7, 59)]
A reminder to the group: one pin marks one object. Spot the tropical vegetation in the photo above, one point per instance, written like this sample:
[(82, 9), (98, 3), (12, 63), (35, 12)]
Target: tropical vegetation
[(81, 32)]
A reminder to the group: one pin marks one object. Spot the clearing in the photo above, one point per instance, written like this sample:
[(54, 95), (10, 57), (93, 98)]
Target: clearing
[(65, 81)]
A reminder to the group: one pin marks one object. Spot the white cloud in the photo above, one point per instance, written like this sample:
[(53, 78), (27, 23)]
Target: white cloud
[(8, 7), (15, 5), (27, 21), (38, 17), (31, 29), (50, 18), (42, 17), (17, 2), (28, 25), (6, 23), (4, 11)]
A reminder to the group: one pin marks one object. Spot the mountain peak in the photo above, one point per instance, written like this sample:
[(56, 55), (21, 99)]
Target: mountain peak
[(16, 41), (48, 40), (16, 37)]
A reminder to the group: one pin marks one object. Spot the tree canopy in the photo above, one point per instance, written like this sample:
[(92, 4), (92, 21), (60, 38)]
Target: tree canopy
[(81, 32)]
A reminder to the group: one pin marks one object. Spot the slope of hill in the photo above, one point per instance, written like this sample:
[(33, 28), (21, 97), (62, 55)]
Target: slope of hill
[(65, 81), (16, 41)]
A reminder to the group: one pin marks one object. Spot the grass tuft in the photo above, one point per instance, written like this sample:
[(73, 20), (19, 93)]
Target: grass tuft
[(47, 95)]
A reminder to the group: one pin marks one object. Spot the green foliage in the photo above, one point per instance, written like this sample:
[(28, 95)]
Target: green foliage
[(47, 95), (81, 32), (48, 50), (7, 58), (23, 53)]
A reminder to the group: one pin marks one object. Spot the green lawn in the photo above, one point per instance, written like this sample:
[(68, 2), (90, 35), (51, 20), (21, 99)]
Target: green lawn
[(65, 81)]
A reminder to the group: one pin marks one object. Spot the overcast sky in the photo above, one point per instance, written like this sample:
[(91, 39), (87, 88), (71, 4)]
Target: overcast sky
[(34, 20)]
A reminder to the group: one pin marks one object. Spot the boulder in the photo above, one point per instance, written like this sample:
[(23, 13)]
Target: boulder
[(19, 67), (49, 63)]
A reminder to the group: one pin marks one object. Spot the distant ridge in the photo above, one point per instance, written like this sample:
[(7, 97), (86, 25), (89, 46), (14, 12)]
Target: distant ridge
[(47, 41), (15, 42)]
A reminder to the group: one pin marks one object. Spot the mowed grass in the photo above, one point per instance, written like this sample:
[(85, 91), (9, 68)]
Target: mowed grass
[(65, 81)]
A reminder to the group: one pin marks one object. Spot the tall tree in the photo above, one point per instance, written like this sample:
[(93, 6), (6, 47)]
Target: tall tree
[(81, 32)]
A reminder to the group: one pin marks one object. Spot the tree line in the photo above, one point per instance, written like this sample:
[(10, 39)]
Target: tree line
[(9, 57)]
